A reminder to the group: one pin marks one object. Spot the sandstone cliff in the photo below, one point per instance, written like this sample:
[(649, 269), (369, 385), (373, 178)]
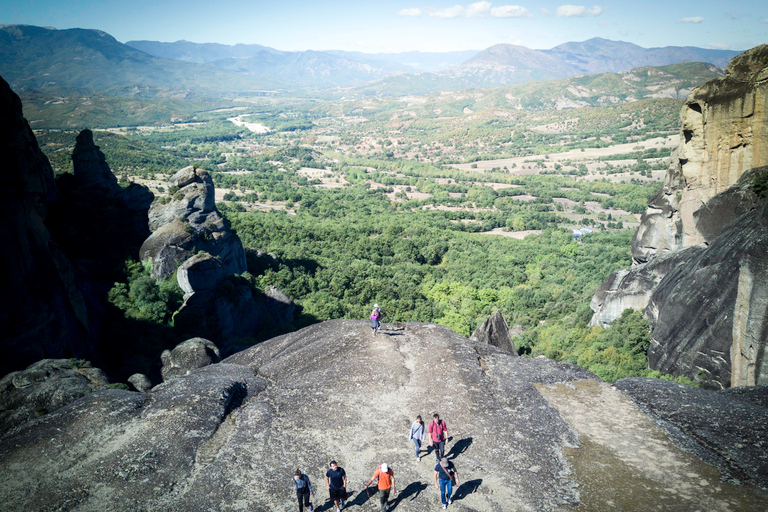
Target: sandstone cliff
[(697, 254), (526, 434), (724, 132)]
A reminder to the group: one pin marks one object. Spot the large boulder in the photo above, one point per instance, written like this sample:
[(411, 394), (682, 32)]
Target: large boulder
[(90, 165), (187, 356), (228, 436), (44, 387), (187, 222), (495, 331), (42, 312)]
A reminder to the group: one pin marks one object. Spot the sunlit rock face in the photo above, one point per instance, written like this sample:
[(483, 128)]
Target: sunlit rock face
[(724, 132)]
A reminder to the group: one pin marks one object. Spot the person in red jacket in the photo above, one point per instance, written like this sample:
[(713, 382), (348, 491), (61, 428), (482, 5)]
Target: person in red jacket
[(437, 431), (386, 484)]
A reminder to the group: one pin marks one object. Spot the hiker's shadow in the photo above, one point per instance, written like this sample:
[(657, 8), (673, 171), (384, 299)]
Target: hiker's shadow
[(412, 491), (362, 497), (466, 489), (461, 446), (328, 505)]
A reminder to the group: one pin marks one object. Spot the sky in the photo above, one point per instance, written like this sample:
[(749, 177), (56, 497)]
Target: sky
[(407, 25)]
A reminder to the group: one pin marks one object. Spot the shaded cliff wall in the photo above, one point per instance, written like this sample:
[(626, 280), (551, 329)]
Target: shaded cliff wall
[(42, 314)]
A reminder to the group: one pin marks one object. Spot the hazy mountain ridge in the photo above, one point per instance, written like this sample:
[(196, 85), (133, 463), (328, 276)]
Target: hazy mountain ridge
[(36, 58)]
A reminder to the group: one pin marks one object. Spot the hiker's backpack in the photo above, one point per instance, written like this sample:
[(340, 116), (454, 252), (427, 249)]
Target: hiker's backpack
[(375, 314)]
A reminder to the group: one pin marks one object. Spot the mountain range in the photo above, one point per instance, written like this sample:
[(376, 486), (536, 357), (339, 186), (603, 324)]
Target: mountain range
[(33, 58)]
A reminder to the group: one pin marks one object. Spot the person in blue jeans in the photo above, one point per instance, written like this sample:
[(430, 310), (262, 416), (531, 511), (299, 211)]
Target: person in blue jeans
[(417, 435), (446, 477)]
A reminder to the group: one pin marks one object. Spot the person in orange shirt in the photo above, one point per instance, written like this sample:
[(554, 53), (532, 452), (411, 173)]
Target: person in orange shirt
[(386, 484)]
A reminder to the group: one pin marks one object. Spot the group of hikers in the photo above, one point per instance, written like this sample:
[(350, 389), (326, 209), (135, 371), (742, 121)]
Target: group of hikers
[(445, 475)]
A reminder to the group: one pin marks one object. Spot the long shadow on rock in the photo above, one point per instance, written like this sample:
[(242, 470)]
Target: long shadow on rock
[(361, 498), (466, 489), (411, 491), (461, 446)]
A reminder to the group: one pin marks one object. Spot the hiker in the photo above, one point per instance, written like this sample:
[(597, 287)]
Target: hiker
[(336, 480), (376, 315), (303, 490), (417, 435), (437, 432), (447, 476), (386, 484)]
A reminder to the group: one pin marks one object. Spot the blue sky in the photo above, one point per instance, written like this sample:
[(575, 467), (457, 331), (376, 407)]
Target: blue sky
[(425, 25)]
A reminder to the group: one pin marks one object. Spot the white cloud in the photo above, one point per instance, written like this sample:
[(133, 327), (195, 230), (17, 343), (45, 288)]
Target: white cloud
[(413, 11), (544, 11), (570, 11), (478, 9), (481, 9), (510, 11), (448, 12), (694, 19)]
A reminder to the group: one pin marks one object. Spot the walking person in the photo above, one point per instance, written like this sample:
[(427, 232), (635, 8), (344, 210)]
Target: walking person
[(376, 315), (336, 480), (303, 491), (437, 432), (386, 484), (417, 435), (446, 477)]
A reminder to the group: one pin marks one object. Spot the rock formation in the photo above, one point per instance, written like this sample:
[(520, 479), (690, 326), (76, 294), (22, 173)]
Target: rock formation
[(710, 316), (724, 133), (699, 252), (187, 356), (187, 222), (228, 436), (42, 312), (43, 387), (494, 331), (632, 288)]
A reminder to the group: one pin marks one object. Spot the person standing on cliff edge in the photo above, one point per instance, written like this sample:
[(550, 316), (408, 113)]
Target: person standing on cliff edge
[(376, 315)]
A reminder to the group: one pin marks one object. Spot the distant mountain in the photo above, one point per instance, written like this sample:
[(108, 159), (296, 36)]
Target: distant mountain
[(39, 58), (202, 53), (312, 69), (599, 55)]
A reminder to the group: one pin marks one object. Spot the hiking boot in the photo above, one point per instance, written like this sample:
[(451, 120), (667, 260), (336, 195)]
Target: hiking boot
[(450, 501), (445, 506)]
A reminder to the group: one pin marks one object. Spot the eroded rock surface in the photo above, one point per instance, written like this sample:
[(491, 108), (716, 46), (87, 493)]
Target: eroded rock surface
[(186, 223), (43, 387), (719, 428), (228, 436)]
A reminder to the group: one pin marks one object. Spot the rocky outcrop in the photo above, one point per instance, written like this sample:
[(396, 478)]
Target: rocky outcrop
[(724, 133), (706, 231), (187, 356), (44, 387), (187, 222), (632, 288), (710, 316), (42, 312), (494, 331), (228, 435)]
